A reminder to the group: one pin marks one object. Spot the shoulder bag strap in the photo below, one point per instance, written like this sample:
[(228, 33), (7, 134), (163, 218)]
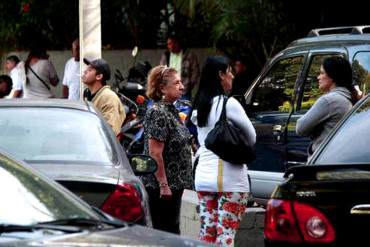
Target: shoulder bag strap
[(223, 113), (38, 77)]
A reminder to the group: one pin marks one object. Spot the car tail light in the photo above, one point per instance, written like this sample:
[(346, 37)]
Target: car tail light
[(296, 222), (124, 203), (314, 225), (280, 224)]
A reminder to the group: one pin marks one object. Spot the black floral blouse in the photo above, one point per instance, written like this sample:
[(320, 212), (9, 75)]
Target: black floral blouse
[(163, 124)]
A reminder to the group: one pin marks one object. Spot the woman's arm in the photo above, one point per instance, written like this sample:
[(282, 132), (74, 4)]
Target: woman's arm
[(236, 114), (318, 113), (155, 151), (53, 76)]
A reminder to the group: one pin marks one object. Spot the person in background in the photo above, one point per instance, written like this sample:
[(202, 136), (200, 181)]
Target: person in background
[(6, 85), (168, 142), (335, 80), (242, 79), (40, 75), (222, 187), (71, 79), (15, 68), (184, 61), (95, 77)]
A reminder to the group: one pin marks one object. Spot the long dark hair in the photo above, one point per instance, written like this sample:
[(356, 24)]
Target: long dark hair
[(340, 71), (35, 53), (209, 86)]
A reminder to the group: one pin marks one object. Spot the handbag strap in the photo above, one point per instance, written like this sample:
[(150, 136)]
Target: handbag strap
[(38, 77), (223, 113)]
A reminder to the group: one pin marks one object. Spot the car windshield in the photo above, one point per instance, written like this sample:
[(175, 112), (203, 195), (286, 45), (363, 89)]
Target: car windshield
[(350, 143), (41, 135), (28, 198)]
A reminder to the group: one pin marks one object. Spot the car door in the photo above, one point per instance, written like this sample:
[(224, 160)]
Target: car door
[(308, 93), (269, 105)]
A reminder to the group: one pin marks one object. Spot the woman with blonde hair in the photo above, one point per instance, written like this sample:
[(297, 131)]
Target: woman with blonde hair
[(168, 142)]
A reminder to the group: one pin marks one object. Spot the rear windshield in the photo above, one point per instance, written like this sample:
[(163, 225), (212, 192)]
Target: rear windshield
[(39, 135), (350, 144), (27, 198)]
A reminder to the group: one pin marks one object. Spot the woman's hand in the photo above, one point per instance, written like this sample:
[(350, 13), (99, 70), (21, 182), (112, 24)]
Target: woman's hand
[(155, 151), (165, 192)]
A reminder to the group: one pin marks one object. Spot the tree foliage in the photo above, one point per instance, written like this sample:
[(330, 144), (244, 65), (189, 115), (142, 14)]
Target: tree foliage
[(250, 28), (27, 23)]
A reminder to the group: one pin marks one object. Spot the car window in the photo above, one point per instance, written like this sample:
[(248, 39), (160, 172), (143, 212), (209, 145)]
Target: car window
[(40, 135), (311, 91), (361, 71), (350, 144), (28, 199), (276, 88)]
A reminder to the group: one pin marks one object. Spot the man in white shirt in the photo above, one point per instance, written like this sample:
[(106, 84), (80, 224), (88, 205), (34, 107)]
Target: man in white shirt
[(16, 72), (71, 79)]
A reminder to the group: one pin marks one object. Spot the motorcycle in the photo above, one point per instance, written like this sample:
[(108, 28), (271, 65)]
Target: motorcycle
[(134, 83)]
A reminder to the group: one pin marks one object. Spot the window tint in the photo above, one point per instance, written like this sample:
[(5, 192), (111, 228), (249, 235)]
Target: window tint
[(58, 135), (361, 71), (350, 144), (276, 89), (311, 91)]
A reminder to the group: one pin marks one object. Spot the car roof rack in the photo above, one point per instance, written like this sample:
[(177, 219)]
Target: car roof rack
[(339, 30)]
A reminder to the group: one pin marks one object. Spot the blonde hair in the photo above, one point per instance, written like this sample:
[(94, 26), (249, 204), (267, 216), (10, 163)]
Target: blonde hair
[(158, 76)]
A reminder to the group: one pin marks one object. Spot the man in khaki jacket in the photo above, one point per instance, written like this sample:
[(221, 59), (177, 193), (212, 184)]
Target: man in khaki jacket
[(103, 98)]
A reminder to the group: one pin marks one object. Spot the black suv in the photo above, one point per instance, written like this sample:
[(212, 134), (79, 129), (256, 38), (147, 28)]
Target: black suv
[(286, 88)]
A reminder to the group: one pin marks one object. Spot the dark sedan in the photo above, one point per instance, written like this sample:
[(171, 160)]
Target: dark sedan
[(36, 211), (72, 144), (327, 201)]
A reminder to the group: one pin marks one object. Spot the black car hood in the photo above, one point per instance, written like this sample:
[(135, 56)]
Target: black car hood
[(130, 236)]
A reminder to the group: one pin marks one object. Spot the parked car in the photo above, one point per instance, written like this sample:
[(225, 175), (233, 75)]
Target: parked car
[(285, 89), (327, 201), (36, 211), (71, 143)]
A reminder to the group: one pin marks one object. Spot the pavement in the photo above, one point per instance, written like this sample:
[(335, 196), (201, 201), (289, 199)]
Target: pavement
[(250, 232)]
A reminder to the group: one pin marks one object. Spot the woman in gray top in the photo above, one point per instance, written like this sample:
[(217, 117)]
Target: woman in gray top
[(335, 80)]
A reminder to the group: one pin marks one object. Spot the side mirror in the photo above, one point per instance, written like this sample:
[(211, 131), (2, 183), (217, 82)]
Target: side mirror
[(142, 164)]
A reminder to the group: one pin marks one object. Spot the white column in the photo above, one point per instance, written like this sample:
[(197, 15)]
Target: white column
[(90, 31)]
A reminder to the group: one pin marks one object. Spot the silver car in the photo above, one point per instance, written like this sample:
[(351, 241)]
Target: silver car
[(72, 144), (36, 211)]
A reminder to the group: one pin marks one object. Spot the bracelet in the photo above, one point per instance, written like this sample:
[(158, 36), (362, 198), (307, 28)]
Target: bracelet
[(163, 185)]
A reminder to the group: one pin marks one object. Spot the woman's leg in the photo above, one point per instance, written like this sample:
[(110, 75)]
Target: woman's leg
[(208, 216), (231, 206), (165, 212)]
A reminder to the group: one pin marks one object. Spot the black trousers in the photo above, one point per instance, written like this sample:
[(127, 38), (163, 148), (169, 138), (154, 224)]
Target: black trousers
[(165, 212)]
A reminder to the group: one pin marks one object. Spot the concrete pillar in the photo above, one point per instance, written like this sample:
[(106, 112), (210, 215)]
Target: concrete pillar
[(90, 31)]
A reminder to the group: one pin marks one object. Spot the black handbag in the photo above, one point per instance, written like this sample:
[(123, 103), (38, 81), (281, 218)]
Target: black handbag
[(229, 142)]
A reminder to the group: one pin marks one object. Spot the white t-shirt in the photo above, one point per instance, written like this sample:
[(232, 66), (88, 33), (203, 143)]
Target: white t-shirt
[(18, 78), (176, 61), (213, 174), (71, 79), (35, 89)]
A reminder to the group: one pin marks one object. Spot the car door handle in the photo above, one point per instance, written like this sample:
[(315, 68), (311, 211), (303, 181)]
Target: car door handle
[(361, 209), (277, 128)]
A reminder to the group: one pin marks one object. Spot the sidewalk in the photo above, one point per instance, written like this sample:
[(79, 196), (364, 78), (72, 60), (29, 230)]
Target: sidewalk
[(249, 234)]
